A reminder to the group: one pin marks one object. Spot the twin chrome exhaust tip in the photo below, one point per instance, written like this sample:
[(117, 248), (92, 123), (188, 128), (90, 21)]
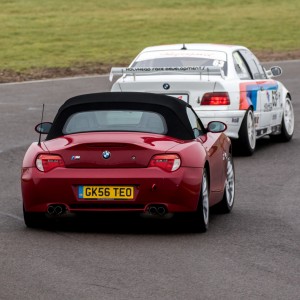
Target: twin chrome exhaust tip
[(157, 210), (56, 209), (152, 210)]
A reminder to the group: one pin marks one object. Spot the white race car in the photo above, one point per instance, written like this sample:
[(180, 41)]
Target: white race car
[(222, 82)]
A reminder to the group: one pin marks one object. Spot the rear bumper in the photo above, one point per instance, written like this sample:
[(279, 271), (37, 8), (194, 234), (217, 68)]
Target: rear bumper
[(232, 118), (178, 191)]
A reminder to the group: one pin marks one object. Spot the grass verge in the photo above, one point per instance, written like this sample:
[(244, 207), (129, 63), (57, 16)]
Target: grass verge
[(42, 38)]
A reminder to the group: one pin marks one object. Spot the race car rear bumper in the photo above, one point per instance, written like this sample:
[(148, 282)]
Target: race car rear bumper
[(233, 119)]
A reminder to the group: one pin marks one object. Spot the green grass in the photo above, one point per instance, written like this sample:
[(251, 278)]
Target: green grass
[(58, 33)]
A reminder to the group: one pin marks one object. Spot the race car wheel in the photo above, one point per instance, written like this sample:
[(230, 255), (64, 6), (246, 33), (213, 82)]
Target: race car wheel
[(226, 204), (247, 134), (201, 218), (287, 124), (33, 220)]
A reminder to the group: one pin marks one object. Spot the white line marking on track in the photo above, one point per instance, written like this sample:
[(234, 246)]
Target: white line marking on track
[(34, 108), (54, 79), (12, 216)]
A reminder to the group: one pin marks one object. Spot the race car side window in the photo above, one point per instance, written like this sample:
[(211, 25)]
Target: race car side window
[(253, 63), (261, 70), (195, 122), (241, 67)]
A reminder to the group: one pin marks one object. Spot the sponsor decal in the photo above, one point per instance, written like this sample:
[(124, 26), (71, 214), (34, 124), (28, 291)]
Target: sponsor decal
[(191, 68), (268, 107), (268, 95), (261, 132), (249, 92), (275, 98), (218, 63)]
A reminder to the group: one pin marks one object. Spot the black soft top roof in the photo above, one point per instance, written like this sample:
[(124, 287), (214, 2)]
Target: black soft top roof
[(172, 109)]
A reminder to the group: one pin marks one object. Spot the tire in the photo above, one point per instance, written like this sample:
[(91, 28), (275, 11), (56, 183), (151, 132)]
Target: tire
[(226, 204), (247, 134), (287, 123), (34, 220), (201, 217)]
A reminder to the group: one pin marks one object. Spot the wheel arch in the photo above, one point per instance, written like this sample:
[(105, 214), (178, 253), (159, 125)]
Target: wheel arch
[(207, 167), (230, 149), (284, 93), (250, 107), (284, 97), (245, 144)]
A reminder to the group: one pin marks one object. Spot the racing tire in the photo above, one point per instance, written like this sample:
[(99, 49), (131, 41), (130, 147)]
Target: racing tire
[(201, 217), (226, 204), (247, 135), (33, 219), (287, 123)]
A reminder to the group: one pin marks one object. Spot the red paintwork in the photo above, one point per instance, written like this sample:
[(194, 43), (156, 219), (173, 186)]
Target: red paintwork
[(178, 190)]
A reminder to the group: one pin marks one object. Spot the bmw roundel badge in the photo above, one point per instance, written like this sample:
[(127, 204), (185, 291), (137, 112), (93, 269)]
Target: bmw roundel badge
[(106, 154), (166, 86)]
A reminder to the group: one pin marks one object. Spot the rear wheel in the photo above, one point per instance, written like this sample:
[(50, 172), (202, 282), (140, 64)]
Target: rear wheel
[(226, 204), (287, 124), (247, 134), (33, 220), (201, 218)]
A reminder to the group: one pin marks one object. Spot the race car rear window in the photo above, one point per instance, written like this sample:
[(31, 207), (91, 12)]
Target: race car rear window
[(179, 58), (115, 120)]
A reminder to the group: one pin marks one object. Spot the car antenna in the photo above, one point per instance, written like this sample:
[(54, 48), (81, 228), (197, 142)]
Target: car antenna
[(40, 136), (183, 47)]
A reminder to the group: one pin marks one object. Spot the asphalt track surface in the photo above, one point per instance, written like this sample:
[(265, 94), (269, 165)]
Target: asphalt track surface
[(252, 253)]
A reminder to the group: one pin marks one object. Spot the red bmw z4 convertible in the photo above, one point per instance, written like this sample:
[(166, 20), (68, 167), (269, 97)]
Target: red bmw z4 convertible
[(128, 152)]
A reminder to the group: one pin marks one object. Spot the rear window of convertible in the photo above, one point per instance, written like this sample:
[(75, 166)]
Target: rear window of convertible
[(115, 120)]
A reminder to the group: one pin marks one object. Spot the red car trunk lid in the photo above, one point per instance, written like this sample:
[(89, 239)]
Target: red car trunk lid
[(110, 149)]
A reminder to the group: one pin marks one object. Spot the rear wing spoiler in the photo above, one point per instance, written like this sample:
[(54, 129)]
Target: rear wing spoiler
[(209, 71)]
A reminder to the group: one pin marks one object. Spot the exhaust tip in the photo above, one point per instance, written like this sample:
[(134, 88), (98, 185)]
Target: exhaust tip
[(161, 210), (157, 210), (152, 210), (50, 209), (56, 209)]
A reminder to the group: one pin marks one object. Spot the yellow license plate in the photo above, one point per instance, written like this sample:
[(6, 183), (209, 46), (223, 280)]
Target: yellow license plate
[(105, 192)]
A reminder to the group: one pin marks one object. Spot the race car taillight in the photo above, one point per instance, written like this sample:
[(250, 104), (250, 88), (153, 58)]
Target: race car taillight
[(218, 98), (47, 162), (167, 162)]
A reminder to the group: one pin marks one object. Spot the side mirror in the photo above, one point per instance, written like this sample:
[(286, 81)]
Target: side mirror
[(216, 127), (274, 71), (43, 128)]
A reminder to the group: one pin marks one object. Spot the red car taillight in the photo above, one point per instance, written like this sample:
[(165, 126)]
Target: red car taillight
[(47, 162), (167, 162), (219, 98)]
